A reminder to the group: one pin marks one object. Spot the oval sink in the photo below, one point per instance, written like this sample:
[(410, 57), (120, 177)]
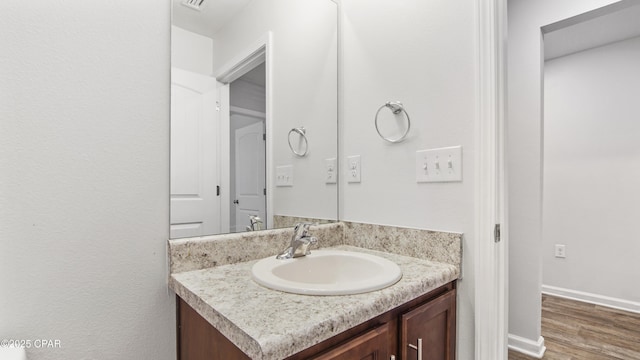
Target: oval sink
[(327, 272)]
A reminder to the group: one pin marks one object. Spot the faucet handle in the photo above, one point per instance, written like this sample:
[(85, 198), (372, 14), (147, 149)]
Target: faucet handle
[(308, 241), (302, 228)]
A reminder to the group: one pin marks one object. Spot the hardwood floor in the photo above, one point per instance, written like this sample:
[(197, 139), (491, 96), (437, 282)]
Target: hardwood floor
[(574, 330)]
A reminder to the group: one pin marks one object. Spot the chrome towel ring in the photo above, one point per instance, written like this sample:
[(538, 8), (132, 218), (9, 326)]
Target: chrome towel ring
[(396, 108), (302, 132)]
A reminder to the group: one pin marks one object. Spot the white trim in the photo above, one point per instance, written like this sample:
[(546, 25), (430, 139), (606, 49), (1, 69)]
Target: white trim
[(491, 306), (245, 61), (270, 183), (602, 300), (225, 161), (341, 112), (525, 346)]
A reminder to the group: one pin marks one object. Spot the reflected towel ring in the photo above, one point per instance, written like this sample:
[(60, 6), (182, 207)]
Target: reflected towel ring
[(302, 132), (396, 108)]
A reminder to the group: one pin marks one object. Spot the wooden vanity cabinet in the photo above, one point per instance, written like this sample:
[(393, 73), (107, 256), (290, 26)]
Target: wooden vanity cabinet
[(430, 318)]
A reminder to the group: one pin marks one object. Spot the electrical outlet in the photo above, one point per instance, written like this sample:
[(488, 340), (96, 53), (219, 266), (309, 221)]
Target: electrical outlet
[(331, 171), (353, 169), (560, 251)]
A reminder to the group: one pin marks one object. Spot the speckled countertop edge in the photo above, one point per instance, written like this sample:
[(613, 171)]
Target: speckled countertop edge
[(268, 324)]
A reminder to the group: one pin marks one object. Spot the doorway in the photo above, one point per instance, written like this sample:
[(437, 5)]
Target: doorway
[(591, 164), (247, 149), (528, 21)]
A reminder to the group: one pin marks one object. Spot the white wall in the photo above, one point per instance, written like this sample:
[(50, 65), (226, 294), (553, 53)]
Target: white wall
[(592, 170), (303, 88), (421, 53), (524, 151), (191, 51), (84, 164)]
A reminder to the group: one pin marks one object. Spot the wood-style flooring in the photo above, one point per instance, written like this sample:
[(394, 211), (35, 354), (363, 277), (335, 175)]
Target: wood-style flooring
[(575, 330)]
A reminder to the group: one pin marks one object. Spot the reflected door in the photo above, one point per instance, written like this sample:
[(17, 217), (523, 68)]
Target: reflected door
[(250, 167), (195, 205)]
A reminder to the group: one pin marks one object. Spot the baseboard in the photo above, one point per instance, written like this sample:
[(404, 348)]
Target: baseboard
[(526, 346), (596, 299)]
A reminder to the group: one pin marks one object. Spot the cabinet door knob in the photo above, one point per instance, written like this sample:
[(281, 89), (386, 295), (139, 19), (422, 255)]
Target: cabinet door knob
[(418, 348), (393, 357)]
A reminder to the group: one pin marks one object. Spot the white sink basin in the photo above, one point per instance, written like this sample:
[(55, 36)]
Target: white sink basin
[(327, 272)]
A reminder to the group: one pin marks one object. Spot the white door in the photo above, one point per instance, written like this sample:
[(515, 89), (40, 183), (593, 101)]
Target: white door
[(250, 166), (195, 204)]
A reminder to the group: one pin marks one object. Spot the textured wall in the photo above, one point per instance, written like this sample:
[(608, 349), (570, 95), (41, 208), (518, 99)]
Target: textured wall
[(84, 164), (191, 51), (421, 53)]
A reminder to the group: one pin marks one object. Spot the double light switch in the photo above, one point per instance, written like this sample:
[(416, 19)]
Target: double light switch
[(284, 175)]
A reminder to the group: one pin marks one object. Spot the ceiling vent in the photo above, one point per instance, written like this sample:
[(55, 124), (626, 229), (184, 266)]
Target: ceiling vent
[(193, 4)]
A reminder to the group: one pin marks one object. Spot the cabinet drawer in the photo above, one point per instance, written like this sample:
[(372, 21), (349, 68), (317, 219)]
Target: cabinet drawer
[(372, 345)]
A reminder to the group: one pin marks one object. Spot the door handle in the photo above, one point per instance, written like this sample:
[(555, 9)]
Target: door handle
[(418, 348), (236, 202)]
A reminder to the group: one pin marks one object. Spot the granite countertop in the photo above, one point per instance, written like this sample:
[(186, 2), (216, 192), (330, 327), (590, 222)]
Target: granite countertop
[(268, 324)]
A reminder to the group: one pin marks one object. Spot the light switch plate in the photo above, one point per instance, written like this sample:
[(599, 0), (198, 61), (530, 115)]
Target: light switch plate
[(284, 175), (439, 165), (353, 169), (331, 168)]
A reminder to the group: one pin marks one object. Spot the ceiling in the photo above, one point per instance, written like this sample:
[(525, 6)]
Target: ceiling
[(213, 16), (590, 32)]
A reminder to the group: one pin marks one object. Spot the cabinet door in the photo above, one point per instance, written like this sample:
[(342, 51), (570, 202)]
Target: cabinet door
[(372, 345), (430, 330)]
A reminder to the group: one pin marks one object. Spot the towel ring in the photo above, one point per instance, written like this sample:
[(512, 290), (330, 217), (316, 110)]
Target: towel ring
[(396, 108), (302, 132)]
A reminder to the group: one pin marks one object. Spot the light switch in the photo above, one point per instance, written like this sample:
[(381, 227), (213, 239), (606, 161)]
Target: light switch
[(439, 165), (284, 175), (353, 169), (331, 170)]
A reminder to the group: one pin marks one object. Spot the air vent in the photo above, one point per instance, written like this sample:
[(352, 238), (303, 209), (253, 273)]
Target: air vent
[(193, 4)]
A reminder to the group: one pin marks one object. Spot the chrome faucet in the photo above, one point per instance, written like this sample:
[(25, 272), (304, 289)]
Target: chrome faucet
[(300, 242), (256, 223)]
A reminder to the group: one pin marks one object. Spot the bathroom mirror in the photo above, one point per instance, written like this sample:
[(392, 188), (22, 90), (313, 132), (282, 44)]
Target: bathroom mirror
[(253, 114)]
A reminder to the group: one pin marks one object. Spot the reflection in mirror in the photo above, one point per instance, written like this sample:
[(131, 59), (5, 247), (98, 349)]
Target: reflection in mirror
[(243, 75)]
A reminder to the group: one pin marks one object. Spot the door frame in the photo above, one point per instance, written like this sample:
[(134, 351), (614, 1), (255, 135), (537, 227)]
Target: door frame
[(247, 59), (491, 256)]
